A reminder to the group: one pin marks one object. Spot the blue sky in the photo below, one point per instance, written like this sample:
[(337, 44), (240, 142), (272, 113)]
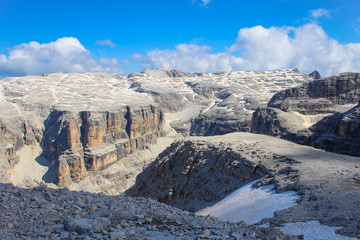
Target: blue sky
[(192, 35)]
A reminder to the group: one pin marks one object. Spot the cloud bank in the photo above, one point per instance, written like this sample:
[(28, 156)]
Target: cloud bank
[(63, 55), (306, 47)]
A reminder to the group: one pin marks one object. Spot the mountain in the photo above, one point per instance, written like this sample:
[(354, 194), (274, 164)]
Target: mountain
[(323, 113), (75, 124), (181, 139)]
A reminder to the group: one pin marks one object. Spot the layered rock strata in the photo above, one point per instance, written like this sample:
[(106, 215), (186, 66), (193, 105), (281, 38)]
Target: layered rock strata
[(339, 132), (319, 96), (322, 113), (87, 141)]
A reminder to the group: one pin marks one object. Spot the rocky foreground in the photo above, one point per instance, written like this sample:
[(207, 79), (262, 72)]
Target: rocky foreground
[(43, 213)]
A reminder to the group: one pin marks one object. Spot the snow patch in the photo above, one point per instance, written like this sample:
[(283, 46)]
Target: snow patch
[(313, 230), (250, 204)]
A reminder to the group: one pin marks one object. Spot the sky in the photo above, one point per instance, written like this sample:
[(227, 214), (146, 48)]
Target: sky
[(116, 36)]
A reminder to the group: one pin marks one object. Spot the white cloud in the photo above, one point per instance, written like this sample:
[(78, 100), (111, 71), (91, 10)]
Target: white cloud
[(203, 2), (126, 62), (307, 48), (63, 55), (110, 65), (320, 12), (190, 58), (106, 42), (137, 56)]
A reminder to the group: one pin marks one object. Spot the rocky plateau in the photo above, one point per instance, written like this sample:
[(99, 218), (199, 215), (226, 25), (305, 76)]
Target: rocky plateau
[(185, 140)]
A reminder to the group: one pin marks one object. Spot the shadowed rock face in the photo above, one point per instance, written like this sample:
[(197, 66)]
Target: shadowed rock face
[(192, 174), (274, 122), (319, 96), (87, 141), (334, 97), (315, 74), (338, 133)]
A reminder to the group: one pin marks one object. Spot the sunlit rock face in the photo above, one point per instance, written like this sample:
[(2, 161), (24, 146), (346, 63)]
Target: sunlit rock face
[(88, 141)]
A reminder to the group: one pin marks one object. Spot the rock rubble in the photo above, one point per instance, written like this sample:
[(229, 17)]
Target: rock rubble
[(43, 213)]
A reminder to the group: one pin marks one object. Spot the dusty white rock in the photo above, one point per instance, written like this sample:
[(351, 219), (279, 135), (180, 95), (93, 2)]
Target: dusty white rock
[(191, 103)]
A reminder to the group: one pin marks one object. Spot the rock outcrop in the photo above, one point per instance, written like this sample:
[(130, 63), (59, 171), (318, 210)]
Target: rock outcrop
[(319, 96), (315, 74), (87, 141), (191, 175), (286, 125), (339, 133), (15, 133), (322, 113)]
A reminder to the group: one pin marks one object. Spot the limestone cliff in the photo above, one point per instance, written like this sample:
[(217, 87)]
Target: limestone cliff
[(319, 96), (15, 133), (339, 132), (320, 114), (87, 141), (286, 125)]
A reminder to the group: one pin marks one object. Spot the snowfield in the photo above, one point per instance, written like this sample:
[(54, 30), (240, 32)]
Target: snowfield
[(313, 230), (250, 204)]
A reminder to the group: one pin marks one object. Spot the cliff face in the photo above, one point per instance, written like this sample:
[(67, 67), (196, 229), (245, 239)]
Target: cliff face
[(286, 125), (320, 114), (339, 132), (87, 141), (319, 96), (15, 133)]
